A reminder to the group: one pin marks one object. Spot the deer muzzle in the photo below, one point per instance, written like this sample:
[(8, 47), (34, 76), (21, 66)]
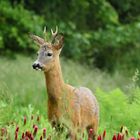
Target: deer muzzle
[(37, 66)]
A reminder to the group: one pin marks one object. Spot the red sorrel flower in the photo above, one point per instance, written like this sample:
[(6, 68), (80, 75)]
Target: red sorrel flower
[(38, 118), (35, 130), (33, 125), (28, 134), (17, 129), (99, 137), (91, 131), (104, 134), (132, 138), (41, 138), (139, 133), (26, 138), (126, 132), (25, 120), (90, 134), (3, 131), (119, 137), (44, 133), (16, 135), (23, 135), (114, 137), (32, 137)]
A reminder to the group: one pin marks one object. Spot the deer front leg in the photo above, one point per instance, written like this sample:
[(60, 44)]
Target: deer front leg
[(58, 126)]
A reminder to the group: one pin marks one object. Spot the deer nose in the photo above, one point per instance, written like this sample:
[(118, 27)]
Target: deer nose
[(34, 65), (37, 66)]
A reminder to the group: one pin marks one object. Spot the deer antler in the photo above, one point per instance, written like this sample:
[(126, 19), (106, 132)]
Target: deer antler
[(45, 33), (54, 33)]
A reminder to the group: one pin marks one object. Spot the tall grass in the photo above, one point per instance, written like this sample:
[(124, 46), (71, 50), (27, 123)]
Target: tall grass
[(22, 90)]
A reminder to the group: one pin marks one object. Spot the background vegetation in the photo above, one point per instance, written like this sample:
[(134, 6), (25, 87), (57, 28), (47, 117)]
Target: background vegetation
[(23, 94), (102, 35)]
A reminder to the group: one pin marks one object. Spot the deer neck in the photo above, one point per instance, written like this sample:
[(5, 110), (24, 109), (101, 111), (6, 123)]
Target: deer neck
[(54, 81)]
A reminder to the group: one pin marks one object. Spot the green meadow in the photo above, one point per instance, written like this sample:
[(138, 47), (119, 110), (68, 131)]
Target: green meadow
[(23, 98)]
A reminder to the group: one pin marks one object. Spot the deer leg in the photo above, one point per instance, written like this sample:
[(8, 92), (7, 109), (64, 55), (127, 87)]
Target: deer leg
[(72, 135), (58, 127)]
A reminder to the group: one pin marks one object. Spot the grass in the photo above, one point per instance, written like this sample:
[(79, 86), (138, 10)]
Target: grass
[(23, 94)]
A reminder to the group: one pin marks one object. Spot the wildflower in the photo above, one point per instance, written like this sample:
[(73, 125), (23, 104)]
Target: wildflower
[(99, 137), (90, 134), (28, 134), (90, 131), (32, 137), (26, 138), (119, 136), (104, 134), (41, 138), (3, 131), (33, 125), (25, 120), (16, 135), (132, 138), (44, 133), (126, 132), (35, 130), (23, 135), (38, 118), (17, 129), (114, 137)]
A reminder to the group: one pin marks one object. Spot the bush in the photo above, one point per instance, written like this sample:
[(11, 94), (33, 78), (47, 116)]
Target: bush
[(16, 23), (97, 32), (117, 47)]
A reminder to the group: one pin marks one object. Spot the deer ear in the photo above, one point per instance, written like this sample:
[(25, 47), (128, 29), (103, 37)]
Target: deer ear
[(38, 40), (58, 41)]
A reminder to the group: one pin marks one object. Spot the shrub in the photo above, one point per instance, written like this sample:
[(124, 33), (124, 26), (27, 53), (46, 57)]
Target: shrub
[(16, 23)]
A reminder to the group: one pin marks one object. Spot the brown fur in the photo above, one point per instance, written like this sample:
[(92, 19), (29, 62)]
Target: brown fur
[(77, 108)]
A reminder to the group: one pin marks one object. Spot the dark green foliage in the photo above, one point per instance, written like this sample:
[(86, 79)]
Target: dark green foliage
[(117, 47), (100, 32), (128, 10), (16, 23)]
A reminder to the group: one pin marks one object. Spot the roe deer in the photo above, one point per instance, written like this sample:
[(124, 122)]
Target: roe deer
[(76, 108)]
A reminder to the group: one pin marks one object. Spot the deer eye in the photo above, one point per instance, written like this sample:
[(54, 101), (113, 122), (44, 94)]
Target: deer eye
[(48, 54)]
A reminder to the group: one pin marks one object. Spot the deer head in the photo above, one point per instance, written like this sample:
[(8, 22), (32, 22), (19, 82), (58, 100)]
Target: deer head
[(48, 50)]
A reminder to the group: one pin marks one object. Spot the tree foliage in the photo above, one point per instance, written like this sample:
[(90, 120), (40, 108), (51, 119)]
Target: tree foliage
[(100, 32), (16, 23)]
